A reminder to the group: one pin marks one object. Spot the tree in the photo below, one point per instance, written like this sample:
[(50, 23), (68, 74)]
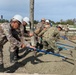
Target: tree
[(70, 21), (35, 21), (52, 21), (3, 20)]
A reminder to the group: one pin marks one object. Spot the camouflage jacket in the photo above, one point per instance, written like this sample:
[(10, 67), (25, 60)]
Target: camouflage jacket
[(50, 33), (39, 28), (5, 31)]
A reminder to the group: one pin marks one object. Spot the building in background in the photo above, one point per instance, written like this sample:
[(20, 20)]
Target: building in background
[(1, 18)]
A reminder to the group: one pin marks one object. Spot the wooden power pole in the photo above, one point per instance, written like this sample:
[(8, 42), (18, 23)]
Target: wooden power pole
[(32, 14)]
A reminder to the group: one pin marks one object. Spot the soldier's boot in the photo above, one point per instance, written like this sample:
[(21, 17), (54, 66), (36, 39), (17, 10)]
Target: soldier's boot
[(1, 61), (1, 68), (13, 57), (50, 50), (17, 54)]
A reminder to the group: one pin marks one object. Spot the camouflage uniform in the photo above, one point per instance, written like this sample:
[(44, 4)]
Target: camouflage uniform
[(39, 28), (35, 39), (64, 33), (6, 34), (25, 32), (49, 37)]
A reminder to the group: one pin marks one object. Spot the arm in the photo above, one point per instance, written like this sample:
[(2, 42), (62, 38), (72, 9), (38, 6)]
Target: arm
[(38, 28), (42, 32), (7, 33), (56, 34)]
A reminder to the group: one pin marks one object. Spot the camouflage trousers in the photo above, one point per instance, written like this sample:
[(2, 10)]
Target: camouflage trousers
[(33, 41), (36, 42), (11, 49), (2, 42), (49, 44), (1, 55)]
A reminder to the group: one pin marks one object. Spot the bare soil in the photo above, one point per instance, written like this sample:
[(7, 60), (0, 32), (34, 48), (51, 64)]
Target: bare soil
[(42, 63)]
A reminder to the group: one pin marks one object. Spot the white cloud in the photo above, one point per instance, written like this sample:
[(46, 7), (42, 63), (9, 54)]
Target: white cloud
[(50, 9), (8, 8), (55, 9)]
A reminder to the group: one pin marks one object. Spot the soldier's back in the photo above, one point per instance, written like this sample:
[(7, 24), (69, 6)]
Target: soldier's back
[(48, 34)]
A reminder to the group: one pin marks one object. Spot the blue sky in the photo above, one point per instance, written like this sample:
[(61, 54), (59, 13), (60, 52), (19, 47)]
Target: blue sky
[(50, 9)]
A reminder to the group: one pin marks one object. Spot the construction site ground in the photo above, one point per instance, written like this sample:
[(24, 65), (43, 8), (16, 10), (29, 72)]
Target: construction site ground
[(42, 63)]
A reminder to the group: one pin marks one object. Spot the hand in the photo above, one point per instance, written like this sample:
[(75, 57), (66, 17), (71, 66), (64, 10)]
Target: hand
[(31, 34), (32, 47), (23, 45)]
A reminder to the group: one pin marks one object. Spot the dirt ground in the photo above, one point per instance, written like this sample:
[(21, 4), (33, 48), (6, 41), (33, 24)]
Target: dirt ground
[(42, 64)]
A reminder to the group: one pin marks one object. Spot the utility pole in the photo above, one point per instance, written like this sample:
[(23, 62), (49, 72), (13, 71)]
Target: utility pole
[(33, 40), (32, 14)]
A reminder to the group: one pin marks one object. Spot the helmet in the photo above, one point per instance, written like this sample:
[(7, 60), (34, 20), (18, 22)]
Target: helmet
[(18, 17), (47, 21), (26, 19), (60, 26)]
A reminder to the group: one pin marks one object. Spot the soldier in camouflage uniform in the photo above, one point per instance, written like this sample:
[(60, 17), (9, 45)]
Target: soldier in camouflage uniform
[(49, 36), (25, 23), (66, 29), (39, 27), (63, 34), (35, 40), (47, 22), (11, 32)]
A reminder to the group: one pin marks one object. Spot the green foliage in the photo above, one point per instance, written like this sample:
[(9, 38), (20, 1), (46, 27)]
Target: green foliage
[(3, 20), (35, 21), (52, 22), (69, 21)]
